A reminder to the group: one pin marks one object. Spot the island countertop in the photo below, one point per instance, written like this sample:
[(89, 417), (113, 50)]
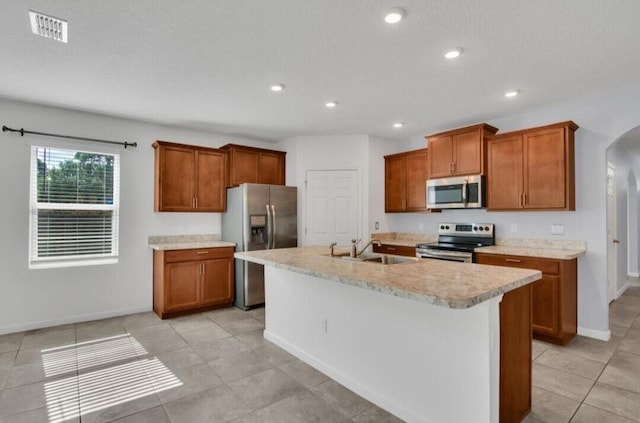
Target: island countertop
[(438, 282)]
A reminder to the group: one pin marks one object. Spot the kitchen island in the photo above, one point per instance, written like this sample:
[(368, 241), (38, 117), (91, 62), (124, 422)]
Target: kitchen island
[(421, 339)]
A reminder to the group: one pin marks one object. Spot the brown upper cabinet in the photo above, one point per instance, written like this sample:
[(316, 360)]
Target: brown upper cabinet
[(532, 169), (255, 165), (459, 152), (189, 178), (405, 181)]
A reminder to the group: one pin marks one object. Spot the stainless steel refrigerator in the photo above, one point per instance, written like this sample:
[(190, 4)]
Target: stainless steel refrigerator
[(258, 217)]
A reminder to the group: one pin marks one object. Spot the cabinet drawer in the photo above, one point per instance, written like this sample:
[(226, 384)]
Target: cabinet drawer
[(195, 254), (399, 250), (547, 266)]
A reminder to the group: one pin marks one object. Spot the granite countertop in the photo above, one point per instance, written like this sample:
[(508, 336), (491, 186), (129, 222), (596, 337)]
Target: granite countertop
[(542, 248), (438, 282), (405, 239), (185, 242)]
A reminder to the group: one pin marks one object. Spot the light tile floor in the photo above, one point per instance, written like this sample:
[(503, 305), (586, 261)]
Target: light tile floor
[(216, 367)]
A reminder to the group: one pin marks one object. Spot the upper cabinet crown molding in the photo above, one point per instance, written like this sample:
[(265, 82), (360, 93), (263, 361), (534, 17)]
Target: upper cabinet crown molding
[(189, 178), (532, 169), (255, 165), (459, 151)]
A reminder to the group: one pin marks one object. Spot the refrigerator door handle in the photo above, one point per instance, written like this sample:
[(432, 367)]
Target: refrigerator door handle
[(273, 226), (269, 226)]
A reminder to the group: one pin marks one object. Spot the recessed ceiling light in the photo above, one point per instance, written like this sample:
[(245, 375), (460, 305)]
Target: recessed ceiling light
[(453, 53), (331, 104), (48, 26), (394, 15), (398, 125), (512, 93), (277, 87)]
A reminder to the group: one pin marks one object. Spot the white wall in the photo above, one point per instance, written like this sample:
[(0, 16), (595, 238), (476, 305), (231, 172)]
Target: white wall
[(38, 298)]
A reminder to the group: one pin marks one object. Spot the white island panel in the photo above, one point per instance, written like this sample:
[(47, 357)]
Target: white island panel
[(421, 362)]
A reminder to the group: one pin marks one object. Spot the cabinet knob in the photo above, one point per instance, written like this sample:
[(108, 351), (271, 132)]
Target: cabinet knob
[(616, 241)]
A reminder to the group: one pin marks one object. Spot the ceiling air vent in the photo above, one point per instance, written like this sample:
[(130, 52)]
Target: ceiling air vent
[(48, 26)]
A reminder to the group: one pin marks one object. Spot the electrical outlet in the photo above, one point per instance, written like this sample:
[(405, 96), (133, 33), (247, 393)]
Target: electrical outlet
[(420, 226), (324, 325), (377, 225), (514, 228), (557, 229)]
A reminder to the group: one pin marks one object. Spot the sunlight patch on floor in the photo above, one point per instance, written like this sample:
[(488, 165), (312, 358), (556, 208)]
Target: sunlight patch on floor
[(106, 372)]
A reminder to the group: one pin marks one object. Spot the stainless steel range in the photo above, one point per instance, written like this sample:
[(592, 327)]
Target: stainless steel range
[(456, 242)]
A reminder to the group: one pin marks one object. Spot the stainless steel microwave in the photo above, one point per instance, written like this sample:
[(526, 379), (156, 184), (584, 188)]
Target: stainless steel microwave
[(459, 192)]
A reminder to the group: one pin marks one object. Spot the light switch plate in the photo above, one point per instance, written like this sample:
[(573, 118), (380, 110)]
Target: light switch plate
[(514, 228), (557, 229)]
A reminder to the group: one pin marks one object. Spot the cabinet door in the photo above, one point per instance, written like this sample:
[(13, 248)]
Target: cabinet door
[(440, 156), (271, 168), (211, 173), (176, 185), (416, 181), (244, 167), (467, 153), (546, 305), (182, 285), (217, 281), (504, 173), (394, 184), (545, 172)]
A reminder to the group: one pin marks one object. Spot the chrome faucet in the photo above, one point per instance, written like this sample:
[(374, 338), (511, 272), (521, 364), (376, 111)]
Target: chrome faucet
[(356, 253), (333, 244)]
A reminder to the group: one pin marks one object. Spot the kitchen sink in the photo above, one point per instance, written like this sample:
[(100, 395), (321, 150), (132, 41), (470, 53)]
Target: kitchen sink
[(380, 258)]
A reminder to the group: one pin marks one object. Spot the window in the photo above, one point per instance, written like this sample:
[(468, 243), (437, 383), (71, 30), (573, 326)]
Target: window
[(74, 208)]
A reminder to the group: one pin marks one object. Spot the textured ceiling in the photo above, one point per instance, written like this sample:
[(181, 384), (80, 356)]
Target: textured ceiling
[(209, 64)]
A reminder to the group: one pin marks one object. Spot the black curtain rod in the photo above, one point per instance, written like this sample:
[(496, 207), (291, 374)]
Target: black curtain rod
[(23, 131)]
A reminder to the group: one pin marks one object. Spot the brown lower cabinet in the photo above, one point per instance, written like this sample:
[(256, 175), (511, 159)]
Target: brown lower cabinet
[(555, 296), (186, 281), (398, 250)]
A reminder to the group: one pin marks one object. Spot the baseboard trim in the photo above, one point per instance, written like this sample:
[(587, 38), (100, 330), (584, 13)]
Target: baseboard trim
[(70, 319), (621, 290), (634, 274), (633, 283), (602, 335)]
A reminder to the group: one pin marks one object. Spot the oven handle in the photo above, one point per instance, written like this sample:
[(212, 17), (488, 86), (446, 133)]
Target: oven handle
[(444, 255)]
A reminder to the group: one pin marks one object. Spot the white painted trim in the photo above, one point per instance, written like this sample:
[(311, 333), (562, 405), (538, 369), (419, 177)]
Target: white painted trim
[(621, 290), (634, 274), (633, 283), (595, 334), (73, 319)]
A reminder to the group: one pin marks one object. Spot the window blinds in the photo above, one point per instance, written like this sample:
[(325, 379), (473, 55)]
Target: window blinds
[(74, 207)]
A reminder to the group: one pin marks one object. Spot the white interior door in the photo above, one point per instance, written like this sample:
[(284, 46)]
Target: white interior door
[(612, 240), (331, 207)]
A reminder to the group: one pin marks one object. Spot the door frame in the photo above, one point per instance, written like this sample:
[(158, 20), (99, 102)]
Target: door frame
[(612, 230)]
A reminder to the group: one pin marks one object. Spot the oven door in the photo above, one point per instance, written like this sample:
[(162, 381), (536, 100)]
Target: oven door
[(455, 193), (458, 256)]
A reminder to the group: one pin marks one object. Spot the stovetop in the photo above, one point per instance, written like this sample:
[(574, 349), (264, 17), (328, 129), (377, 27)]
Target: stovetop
[(462, 237)]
